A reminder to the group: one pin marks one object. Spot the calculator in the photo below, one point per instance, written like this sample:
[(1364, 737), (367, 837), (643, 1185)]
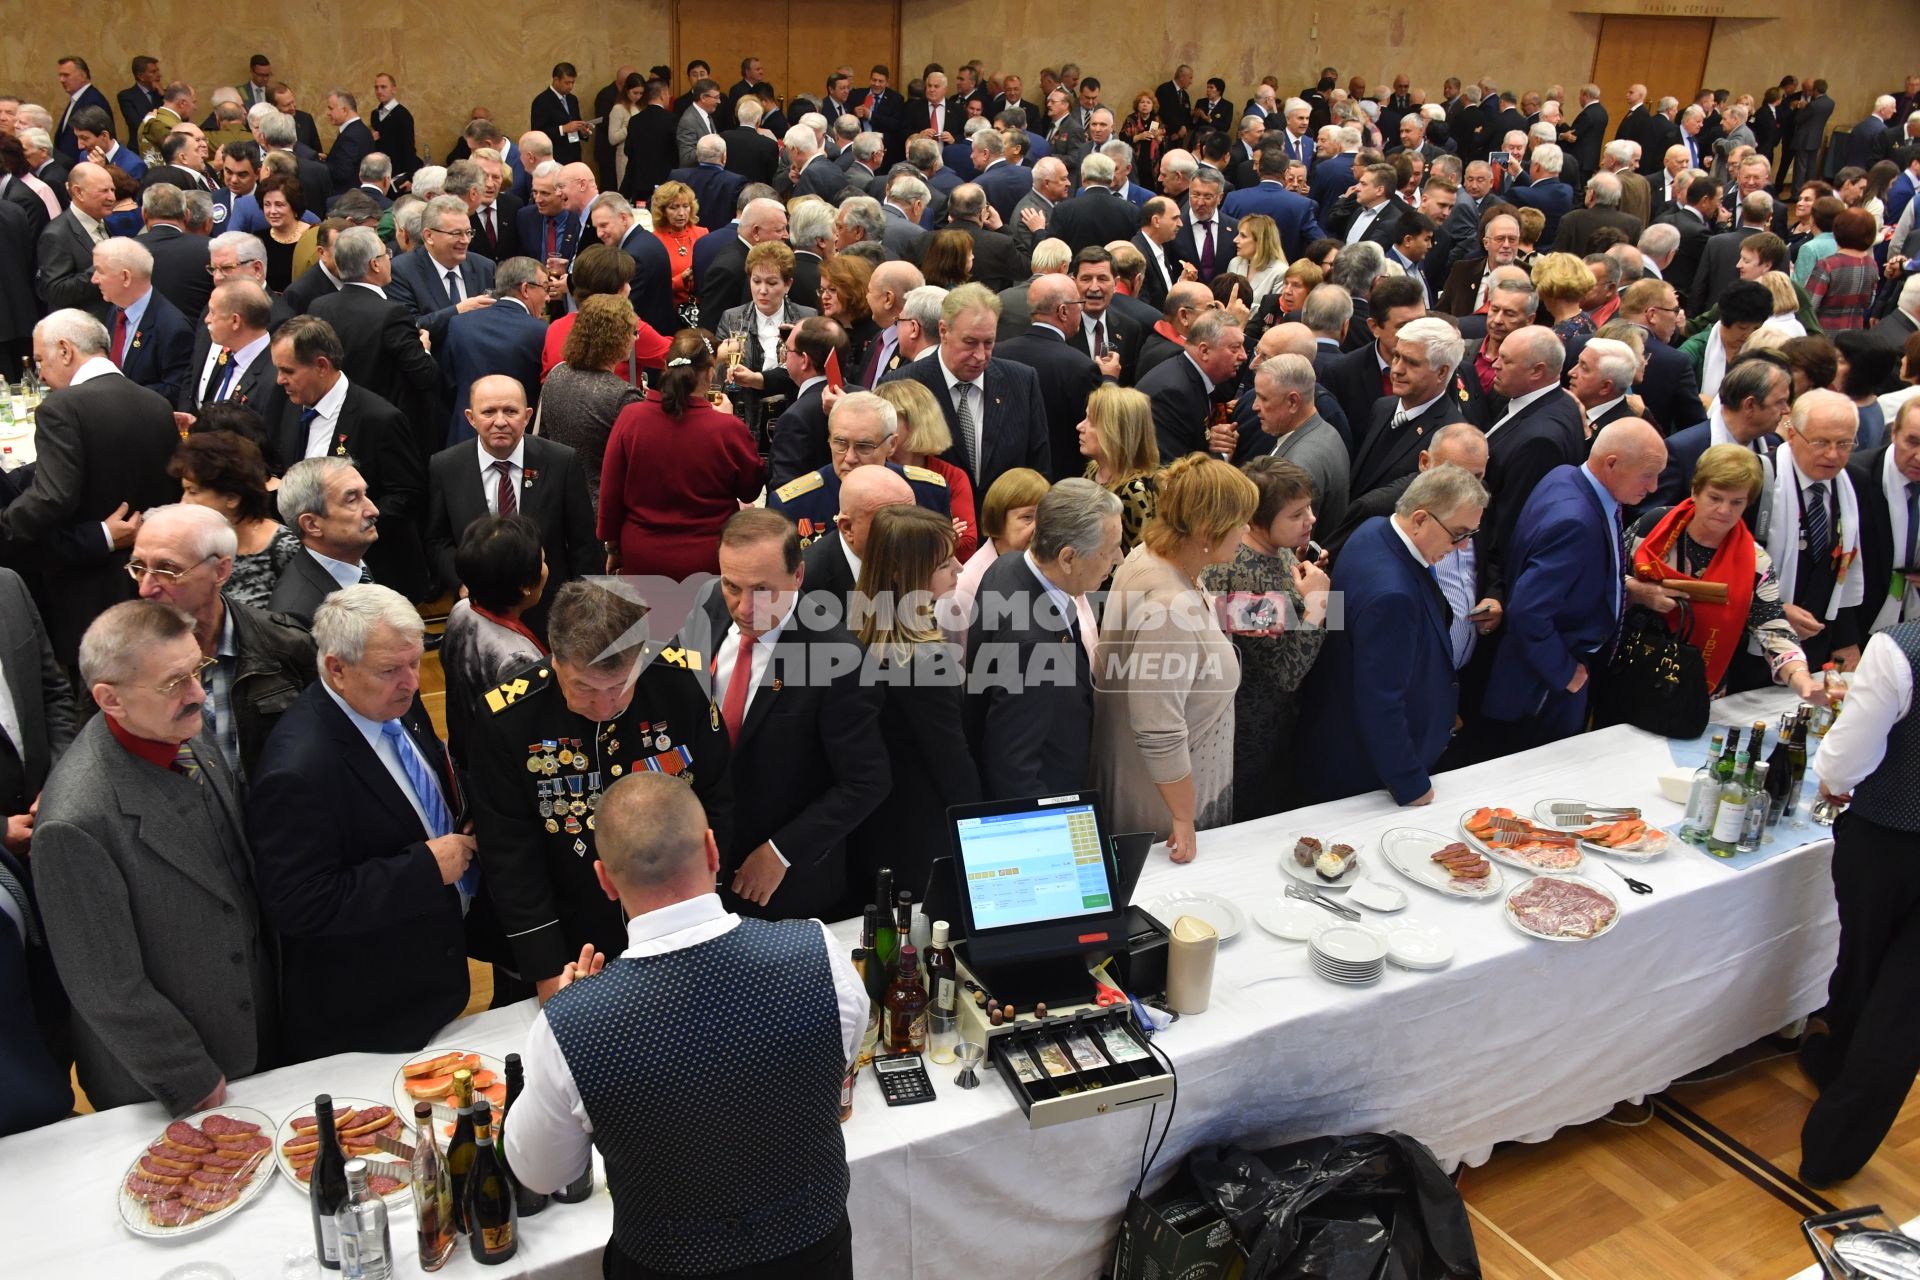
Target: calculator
[(903, 1079)]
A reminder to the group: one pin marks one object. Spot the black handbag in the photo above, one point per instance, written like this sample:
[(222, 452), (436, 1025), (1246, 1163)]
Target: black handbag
[(1656, 679)]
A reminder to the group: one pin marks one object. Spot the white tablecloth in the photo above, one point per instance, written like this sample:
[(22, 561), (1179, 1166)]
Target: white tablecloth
[(1516, 1039)]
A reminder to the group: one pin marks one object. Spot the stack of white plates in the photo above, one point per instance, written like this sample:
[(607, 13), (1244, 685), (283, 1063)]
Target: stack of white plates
[(1348, 954)]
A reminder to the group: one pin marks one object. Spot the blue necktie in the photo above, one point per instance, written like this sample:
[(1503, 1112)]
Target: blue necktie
[(229, 364), (426, 789)]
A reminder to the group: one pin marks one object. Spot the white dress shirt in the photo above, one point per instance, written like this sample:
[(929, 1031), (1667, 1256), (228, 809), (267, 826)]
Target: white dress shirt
[(320, 430), (553, 1139), (1602, 409), (767, 327), (241, 360), (1363, 220), (1459, 583), (389, 757), (347, 575), (1515, 405), (1878, 695), (490, 479)]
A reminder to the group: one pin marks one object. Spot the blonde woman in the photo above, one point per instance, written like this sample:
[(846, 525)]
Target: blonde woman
[(676, 224), (1116, 437), (1258, 256), (1164, 672), (923, 435), (1563, 280)]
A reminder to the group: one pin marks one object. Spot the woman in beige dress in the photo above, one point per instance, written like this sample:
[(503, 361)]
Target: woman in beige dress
[(1164, 671)]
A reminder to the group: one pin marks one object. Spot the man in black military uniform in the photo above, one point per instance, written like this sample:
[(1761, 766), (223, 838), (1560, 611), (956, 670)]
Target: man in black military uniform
[(551, 739), (860, 432)]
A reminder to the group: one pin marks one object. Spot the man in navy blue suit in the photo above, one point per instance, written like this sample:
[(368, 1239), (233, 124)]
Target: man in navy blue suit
[(548, 229), (556, 113), (504, 338), (148, 337), (352, 144), (1568, 582), (1380, 709), (1002, 180), (1754, 397), (440, 277), (1293, 215), (614, 223), (1543, 189), (994, 408), (714, 186), (77, 80), (1337, 147)]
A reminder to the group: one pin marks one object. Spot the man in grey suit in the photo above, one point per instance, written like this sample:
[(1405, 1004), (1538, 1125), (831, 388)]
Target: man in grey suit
[(697, 121), (324, 501), (1809, 132), (907, 197), (145, 879), (1283, 390)]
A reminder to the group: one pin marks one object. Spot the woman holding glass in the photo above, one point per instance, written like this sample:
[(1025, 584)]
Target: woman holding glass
[(920, 439), (676, 224), (753, 335)]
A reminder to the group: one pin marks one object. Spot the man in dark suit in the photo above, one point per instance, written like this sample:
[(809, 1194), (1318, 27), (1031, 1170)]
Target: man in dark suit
[(1425, 354), (556, 113), (1068, 375), (1636, 123), (82, 94), (1872, 139), (143, 95), (65, 249), (1543, 189), (882, 110), (505, 339), (723, 280), (813, 174), (1381, 709), (180, 260), (392, 125), (748, 152), (996, 263), (1568, 582), (715, 187), (1601, 379), (615, 223), (231, 360), (1694, 220), (809, 743), (352, 142), (1885, 483), (148, 337), (546, 227), (1031, 726), (1003, 180), (278, 132), (1371, 213), (1602, 209), (103, 445), (1359, 378), (649, 147), (172, 978), (1102, 328), (323, 500), (1293, 215), (1807, 135), (495, 214), (1753, 398), (993, 407), (357, 822), (441, 277), (799, 442), (328, 416), (1541, 428), (1333, 167), (1669, 386), (1160, 223), (504, 472), (1183, 388), (1587, 133), (1097, 216), (933, 115), (381, 348), (1206, 235)]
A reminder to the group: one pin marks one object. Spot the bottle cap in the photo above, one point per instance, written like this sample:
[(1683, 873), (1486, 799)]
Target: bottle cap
[(940, 933), (513, 1059), (908, 951), (356, 1168), (324, 1100), (423, 1111), (482, 1111), (904, 897)]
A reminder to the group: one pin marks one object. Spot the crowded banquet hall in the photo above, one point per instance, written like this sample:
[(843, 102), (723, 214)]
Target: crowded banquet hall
[(1321, 614)]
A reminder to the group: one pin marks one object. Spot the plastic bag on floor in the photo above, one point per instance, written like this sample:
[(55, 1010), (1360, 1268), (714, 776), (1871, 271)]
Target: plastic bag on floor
[(1373, 1206)]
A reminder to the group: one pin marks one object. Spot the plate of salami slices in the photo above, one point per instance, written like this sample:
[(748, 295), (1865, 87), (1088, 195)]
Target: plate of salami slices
[(360, 1124), (199, 1171)]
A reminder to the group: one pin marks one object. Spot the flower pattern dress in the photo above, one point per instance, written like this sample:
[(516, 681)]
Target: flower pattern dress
[(254, 575)]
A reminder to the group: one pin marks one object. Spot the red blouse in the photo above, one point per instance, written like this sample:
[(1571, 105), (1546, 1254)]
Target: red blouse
[(667, 486), (649, 346)]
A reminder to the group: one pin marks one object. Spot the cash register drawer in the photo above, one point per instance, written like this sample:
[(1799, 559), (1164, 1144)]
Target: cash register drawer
[(1087, 1064)]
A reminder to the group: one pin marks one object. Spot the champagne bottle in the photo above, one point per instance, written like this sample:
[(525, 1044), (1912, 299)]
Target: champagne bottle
[(1823, 716), (866, 966), (943, 976), (1797, 759), (1754, 829), (877, 972), (1779, 771), (493, 1228), (366, 1244), (906, 1030), (1731, 817), (1756, 741), (329, 1186), (1705, 795), (460, 1146), (886, 942), (903, 920), (432, 1193), (526, 1201)]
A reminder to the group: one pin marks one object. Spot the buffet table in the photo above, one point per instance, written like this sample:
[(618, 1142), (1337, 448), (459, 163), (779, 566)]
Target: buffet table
[(1517, 1038)]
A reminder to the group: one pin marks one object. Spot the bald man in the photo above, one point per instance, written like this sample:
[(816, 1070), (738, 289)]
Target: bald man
[(833, 562), (65, 249), (507, 472), (1566, 566)]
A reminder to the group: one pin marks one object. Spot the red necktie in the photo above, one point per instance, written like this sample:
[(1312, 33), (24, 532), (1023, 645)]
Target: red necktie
[(504, 488), (119, 336), (486, 220), (937, 110), (552, 229), (1386, 382), (733, 708), (1206, 248)]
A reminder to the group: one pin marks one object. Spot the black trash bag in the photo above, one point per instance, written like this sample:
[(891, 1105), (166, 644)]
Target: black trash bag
[(1373, 1206)]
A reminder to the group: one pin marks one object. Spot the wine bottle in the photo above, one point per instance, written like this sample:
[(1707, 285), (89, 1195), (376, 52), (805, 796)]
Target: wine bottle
[(1778, 770), (329, 1185), (877, 974), (1705, 795), (366, 1244), (1797, 759), (493, 1228), (943, 977), (903, 919), (1823, 716), (526, 1201), (432, 1193), (906, 1030), (1730, 819), (1754, 829), (460, 1145), (1756, 741), (886, 942), (580, 1188)]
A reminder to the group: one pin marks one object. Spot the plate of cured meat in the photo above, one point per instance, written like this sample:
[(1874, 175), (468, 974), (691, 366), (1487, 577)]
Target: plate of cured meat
[(362, 1125), (1562, 908), (199, 1171), (1447, 866), (1538, 847), (1632, 839)]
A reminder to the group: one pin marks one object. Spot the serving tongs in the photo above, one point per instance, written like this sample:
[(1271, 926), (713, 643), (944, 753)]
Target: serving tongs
[(1304, 894), (1586, 815), (1512, 831)]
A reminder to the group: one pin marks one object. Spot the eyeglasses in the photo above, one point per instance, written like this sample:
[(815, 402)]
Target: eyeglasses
[(1841, 447), (464, 233), (1454, 538), (1665, 310), (139, 570), (169, 688), (217, 271), (860, 448)]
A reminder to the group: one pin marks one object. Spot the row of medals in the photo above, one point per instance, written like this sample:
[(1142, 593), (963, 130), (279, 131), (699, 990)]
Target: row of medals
[(565, 801)]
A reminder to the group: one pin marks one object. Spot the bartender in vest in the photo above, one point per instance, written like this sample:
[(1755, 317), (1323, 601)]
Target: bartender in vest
[(1865, 1059), (1814, 537), (546, 744), (705, 1063)]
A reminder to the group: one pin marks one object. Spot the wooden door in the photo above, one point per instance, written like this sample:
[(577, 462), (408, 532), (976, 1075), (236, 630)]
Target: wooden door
[(797, 41), (1668, 55), (716, 34)]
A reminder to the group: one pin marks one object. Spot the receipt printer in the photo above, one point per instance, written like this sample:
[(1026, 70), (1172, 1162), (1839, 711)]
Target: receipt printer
[(1142, 965)]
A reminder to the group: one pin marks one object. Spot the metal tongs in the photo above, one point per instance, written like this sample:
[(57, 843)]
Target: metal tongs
[(1320, 900), (1585, 815)]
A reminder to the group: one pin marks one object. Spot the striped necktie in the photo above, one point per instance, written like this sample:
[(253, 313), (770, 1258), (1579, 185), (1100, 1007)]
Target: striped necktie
[(185, 761)]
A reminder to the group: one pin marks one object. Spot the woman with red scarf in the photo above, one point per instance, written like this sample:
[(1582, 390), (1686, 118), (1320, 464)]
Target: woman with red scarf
[(1703, 537)]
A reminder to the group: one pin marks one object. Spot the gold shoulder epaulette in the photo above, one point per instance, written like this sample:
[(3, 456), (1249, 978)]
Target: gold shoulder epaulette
[(925, 476), (802, 484)]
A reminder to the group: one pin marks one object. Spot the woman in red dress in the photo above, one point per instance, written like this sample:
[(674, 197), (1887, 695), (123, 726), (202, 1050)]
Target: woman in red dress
[(676, 468)]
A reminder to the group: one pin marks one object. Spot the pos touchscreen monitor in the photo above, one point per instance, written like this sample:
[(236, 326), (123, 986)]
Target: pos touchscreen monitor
[(1037, 879)]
